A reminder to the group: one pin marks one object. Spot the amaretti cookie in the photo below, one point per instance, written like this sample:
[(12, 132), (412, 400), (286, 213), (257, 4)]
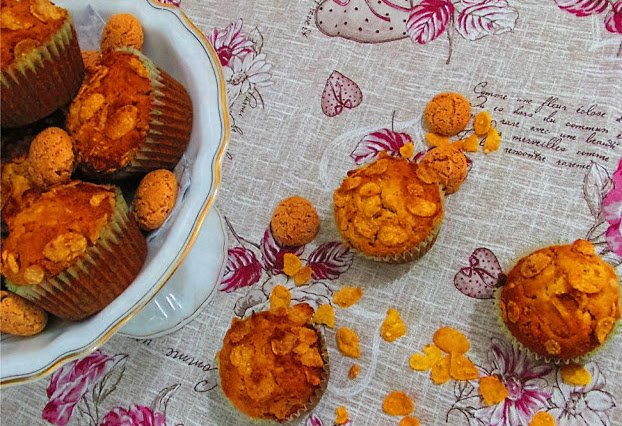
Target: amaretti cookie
[(129, 118), (561, 302), (447, 114), (73, 250), (42, 67), (385, 211), (154, 199), (294, 222)]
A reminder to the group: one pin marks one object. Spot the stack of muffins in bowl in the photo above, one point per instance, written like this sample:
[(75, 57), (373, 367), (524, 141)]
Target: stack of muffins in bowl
[(71, 243)]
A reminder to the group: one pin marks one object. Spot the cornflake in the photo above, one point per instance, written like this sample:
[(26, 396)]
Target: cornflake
[(409, 421), (470, 144), (348, 342), (393, 327), (461, 368), (451, 340), (291, 264), (492, 141), (436, 140), (482, 123), (542, 419), (280, 300), (440, 372), (303, 275), (407, 150), (347, 296), (354, 371), (341, 415), (575, 374), (398, 404), (492, 390), (325, 314), (430, 357)]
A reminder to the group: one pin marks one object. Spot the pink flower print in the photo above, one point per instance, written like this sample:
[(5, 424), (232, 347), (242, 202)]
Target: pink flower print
[(135, 415), (582, 7), (612, 208), (582, 405), (523, 378), (242, 269), (230, 42), (71, 382), (613, 19)]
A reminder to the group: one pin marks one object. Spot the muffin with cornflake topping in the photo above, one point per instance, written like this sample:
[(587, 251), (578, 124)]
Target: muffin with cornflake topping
[(561, 302)]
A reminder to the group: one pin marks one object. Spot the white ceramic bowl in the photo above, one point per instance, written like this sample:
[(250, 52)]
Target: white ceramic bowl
[(179, 48)]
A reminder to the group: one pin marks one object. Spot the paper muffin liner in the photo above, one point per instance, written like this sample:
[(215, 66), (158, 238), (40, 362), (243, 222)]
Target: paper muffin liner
[(170, 123), (100, 275), (43, 80), (557, 361), (313, 401)]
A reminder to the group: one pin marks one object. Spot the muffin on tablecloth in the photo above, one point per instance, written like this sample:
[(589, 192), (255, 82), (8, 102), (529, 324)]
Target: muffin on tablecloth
[(561, 302), (273, 364), (385, 211), (129, 118), (42, 67), (73, 250)]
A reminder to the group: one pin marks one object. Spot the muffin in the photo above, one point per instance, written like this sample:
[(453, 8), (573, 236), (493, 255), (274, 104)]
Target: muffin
[(42, 67), (273, 364), (447, 114), (294, 222), (445, 165), (561, 302), (72, 250), (129, 118), (385, 211)]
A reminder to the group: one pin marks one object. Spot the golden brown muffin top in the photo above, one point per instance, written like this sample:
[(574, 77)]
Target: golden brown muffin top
[(271, 363), (17, 187), (53, 230), (92, 60), (122, 29), (385, 209), (109, 118), (294, 222), (562, 301), (154, 199), (447, 114), (445, 165), (25, 25), (51, 158)]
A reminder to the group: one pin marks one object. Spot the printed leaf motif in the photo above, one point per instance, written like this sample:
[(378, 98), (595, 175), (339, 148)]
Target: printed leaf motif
[(596, 184), (272, 253), (253, 298), (479, 19), (330, 260), (340, 92), (370, 146), (613, 19), (242, 270), (582, 7), (480, 279), (315, 294), (428, 20), (314, 420), (463, 389)]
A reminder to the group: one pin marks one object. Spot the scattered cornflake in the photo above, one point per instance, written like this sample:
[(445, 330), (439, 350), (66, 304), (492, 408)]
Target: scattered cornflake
[(341, 415), (492, 390), (492, 142), (482, 123), (325, 314), (409, 421), (450, 340), (348, 342), (575, 374), (471, 143), (407, 150), (398, 404), (436, 140), (430, 357), (291, 264), (457, 144), (347, 296), (392, 327), (303, 275), (354, 371), (440, 372), (280, 300), (461, 368), (542, 419)]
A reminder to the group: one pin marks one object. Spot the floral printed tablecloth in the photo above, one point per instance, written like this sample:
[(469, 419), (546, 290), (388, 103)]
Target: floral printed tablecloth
[(318, 87)]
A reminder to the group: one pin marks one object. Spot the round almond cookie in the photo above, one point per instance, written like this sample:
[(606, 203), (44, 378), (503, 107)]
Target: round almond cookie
[(386, 212), (154, 199), (561, 302), (447, 114), (294, 222)]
